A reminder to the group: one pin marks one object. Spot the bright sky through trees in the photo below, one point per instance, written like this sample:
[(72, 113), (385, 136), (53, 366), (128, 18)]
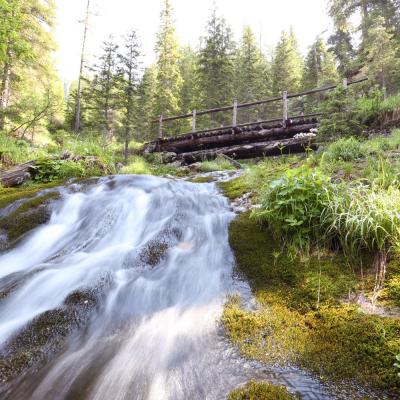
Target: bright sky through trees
[(266, 17)]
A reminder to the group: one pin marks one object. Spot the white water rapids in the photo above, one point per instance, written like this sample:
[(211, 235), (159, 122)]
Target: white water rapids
[(148, 263)]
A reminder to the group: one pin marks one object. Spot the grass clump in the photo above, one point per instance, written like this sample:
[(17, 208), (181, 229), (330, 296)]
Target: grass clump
[(219, 164), (261, 391), (345, 149), (139, 166)]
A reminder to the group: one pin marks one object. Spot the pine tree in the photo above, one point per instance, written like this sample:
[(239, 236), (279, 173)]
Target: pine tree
[(252, 73), (169, 80), (320, 68), (146, 103), (215, 72), (189, 92), (382, 59), (128, 70), (287, 65), (103, 91)]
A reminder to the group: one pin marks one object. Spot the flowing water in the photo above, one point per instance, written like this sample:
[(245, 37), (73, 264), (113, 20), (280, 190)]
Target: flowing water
[(119, 296)]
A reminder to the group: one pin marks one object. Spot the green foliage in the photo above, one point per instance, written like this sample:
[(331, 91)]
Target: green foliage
[(292, 205), (339, 117), (261, 391), (390, 103), (320, 68), (345, 149), (219, 164), (365, 218), (138, 165), (169, 79), (216, 66), (287, 65), (252, 72), (48, 170)]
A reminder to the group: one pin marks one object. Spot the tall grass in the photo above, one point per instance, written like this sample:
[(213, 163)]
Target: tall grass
[(365, 218)]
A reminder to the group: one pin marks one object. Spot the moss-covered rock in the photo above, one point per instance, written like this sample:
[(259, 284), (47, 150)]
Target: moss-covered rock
[(27, 216), (261, 391), (303, 318), (234, 188), (46, 334)]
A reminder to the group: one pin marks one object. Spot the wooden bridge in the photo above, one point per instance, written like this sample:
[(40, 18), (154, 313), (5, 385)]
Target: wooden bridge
[(286, 134)]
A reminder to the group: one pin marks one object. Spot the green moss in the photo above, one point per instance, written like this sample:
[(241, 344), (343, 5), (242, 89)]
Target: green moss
[(27, 216), (9, 195), (202, 179), (301, 317), (261, 391), (234, 188)]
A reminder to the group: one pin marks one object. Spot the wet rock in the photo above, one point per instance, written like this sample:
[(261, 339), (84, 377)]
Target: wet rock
[(27, 216)]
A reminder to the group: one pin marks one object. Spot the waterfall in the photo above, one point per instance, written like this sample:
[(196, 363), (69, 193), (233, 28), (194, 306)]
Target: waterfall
[(119, 296)]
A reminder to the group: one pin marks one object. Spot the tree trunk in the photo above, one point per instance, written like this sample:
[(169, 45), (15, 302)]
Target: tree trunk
[(79, 90), (5, 92)]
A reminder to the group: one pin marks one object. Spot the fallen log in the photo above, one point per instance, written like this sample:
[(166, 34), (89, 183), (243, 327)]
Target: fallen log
[(18, 174), (251, 150), (227, 139)]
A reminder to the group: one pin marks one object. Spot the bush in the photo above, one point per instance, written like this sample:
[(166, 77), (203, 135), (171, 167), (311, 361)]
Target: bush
[(292, 205), (48, 170)]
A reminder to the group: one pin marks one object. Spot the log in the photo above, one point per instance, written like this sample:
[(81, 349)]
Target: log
[(18, 174), (251, 150), (228, 138)]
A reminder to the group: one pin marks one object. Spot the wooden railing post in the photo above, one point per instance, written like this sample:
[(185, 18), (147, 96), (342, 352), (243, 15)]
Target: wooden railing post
[(160, 127), (345, 83), (285, 108), (234, 117), (194, 121)]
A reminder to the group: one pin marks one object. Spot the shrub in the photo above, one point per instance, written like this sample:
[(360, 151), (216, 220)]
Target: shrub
[(48, 170), (292, 205)]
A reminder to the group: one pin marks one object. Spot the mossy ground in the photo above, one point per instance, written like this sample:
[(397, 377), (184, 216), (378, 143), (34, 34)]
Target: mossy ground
[(261, 391), (303, 317)]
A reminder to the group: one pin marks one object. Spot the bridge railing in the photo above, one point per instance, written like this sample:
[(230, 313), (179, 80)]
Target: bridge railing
[(235, 107)]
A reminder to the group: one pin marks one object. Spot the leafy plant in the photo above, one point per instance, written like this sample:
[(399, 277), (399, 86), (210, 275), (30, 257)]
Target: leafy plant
[(292, 205)]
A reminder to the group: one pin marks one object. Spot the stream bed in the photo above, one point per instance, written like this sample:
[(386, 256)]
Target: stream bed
[(119, 296)]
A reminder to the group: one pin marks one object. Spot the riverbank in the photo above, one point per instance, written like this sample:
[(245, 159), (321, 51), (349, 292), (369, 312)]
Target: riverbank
[(314, 307)]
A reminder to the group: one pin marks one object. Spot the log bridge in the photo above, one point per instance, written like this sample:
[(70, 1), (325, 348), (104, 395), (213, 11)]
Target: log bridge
[(288, 134)]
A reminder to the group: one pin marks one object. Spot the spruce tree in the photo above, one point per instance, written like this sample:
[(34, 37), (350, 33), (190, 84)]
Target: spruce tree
[(146, 104), (169, 79), (252, 73), (287, 65), (320, 68), (382, 63), (103, 91), (215, 71), (128, 70)]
